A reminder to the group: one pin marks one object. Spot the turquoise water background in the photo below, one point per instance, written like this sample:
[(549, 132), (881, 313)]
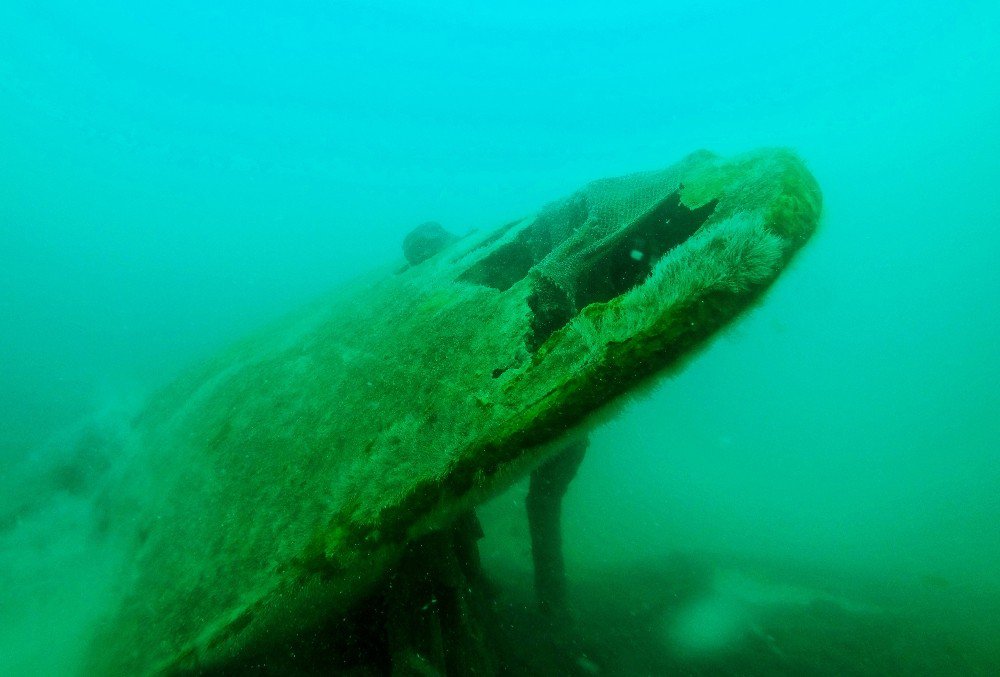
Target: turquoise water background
[(173, 175)]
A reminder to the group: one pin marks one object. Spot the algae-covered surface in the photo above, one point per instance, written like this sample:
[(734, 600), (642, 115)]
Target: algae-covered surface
[(278, 481)]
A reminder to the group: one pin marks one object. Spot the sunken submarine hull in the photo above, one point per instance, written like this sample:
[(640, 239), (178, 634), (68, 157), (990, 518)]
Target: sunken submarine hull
[(277, 483)]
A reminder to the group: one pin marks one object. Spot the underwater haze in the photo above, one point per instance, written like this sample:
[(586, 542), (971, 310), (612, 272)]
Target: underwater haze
[(174, 176)]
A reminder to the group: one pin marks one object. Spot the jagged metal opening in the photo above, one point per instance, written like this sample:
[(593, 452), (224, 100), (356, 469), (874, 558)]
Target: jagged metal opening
[(512, 262), (629, 260), (615, 269), (503, 268), (551, 308), (595, 276), (499, 233)]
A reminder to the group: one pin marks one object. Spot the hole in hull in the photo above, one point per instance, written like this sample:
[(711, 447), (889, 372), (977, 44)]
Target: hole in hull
[(630, 259), (512, 262), (583, 274), (615, 269)]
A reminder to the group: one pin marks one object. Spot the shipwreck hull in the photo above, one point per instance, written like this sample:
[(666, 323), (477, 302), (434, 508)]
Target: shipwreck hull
[(281, 481)]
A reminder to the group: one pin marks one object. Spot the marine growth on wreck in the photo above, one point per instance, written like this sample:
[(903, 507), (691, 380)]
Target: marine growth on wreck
[(324, 473)]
